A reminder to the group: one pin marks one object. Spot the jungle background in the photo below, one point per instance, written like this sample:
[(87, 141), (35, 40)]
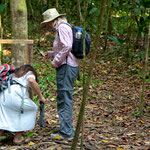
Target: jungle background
[(117, 110)]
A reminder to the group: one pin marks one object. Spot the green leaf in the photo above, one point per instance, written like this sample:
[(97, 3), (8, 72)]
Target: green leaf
[(138, 11), (100, 82), (148, 80), (93, 10), (2, 7), (2, 137), (115, 39), (30, 134)]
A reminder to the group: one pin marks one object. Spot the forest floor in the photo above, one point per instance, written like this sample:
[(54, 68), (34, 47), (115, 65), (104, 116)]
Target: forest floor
[(112, 119)]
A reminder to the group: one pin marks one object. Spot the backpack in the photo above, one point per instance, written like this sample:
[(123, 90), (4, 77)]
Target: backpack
[(6, 81), (77, 46), (5, 76)]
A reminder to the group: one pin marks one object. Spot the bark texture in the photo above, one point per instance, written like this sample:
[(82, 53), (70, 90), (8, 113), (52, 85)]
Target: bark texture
[(19, 30)]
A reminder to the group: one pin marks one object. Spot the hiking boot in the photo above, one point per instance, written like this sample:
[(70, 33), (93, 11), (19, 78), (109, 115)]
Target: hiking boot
[(57, 136)]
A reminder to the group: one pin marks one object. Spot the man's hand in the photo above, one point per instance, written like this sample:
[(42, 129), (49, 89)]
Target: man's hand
[(46, 55)]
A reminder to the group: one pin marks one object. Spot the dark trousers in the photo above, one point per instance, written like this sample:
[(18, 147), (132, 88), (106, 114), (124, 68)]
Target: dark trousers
[(65, 76)]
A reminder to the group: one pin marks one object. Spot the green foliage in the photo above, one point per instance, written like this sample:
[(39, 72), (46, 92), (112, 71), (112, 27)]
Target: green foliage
[(46, 76), (2, 137), (115, 39), (2, 7), (101, 146), (125, 15), (93, 10), (146, 3), (30, 134), (136, 113)]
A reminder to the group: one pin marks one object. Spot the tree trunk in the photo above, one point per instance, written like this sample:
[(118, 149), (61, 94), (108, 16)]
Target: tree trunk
[(57, 4), (90, 73), (1, 36), (84, 67), (107, 22), (19, 30), (30, 9), (81, 22), (79, 11), (145, 72)]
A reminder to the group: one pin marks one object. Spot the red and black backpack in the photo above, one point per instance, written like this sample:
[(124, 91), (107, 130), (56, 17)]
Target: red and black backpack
[(5, 76)]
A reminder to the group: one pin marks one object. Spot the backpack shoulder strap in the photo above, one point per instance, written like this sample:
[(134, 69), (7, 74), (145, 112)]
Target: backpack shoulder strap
[(68, 24)]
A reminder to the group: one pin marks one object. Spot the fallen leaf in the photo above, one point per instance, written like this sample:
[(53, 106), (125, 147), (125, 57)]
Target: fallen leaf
[(118, 148), (104, 71), (31, 143), (42, 53), (104, 141), (50, 121), (119, 118), (53, 121), (53, 99), (131, 134), (109, 97), (113, 144), (116, 138), (91, 106), (147, 142)]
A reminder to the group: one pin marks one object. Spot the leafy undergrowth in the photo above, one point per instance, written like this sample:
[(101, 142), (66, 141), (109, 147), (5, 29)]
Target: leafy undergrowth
[(112, 119)]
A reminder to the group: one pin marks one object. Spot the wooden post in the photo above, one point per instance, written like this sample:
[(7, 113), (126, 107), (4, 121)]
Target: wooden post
[(16, 41), (28, 44)]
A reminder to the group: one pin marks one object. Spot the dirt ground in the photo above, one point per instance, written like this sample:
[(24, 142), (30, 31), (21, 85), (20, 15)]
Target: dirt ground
[(112, 119)]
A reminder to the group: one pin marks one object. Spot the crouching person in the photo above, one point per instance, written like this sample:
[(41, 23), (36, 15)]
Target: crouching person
[(17, 110)]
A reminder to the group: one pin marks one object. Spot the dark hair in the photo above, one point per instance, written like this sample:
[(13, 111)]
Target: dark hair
[(22, 70)]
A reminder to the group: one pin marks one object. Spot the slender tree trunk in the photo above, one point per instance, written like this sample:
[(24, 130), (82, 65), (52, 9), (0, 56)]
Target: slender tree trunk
[(57, 4), (79, 11), (107, 21), (1, 36), (81, 22), (30, 8), (40, 3), (19, 30), (84, 65), (5, 10), (138, 33), (129, 33), (128, 43), (145, 72), (90, 73)]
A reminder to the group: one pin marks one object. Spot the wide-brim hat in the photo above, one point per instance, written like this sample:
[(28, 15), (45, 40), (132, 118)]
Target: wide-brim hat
[(51, 14)]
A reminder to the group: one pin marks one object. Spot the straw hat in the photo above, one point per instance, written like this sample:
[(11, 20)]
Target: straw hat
[(51, 14)]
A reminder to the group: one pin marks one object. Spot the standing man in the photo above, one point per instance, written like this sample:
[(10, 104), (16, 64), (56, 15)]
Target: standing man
[(66, 65)]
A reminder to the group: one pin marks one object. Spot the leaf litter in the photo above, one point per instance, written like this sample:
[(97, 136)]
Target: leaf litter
[(111, 116)]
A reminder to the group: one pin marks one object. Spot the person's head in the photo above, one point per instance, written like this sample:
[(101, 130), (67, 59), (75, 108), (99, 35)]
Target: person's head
[(52, 18), (22, 70)]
